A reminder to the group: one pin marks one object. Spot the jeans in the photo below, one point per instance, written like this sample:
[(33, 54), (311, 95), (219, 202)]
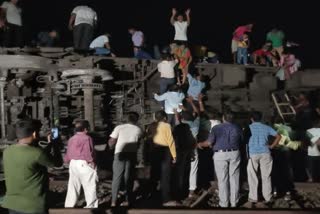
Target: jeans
[(141, 54), (242, 56), (227, 167), (123, 166), (101, 51), (265, 163), (82, 36)]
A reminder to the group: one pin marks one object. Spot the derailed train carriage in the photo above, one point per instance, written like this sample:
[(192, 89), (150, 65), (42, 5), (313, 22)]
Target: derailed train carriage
[(57, 86)]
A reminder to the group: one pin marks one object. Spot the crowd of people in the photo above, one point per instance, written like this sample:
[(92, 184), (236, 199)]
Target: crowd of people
[(84, 19), (187, 146), (186, 139)]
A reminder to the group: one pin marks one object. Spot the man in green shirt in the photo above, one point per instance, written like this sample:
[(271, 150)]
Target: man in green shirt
[(25, 172), (276, 36)]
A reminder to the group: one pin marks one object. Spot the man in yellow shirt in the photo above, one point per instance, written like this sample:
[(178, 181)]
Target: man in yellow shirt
[(163, 155)]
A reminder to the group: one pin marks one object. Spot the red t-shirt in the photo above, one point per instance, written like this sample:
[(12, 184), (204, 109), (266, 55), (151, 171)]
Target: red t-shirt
[(262, 53)]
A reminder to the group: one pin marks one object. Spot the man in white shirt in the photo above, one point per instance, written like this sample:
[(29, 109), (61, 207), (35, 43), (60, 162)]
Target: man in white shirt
[(13, 24), (138, 42), (125, 138), (180, 25), (82, 22), (167, 74), (101, 45)]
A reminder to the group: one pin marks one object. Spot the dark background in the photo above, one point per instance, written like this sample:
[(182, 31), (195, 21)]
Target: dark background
[(212, 22)]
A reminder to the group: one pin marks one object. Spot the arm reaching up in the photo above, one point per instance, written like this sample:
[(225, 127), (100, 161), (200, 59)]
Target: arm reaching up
[(188, 16), (174, 12)]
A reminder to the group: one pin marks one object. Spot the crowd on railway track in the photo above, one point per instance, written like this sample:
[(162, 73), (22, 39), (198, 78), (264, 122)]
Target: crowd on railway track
[(187, 138)]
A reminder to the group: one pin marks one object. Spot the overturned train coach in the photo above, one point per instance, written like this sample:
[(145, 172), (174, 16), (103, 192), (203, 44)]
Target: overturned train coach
[(57, 86)]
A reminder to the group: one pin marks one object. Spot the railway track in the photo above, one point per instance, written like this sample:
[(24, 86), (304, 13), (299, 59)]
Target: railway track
[(178, 211)]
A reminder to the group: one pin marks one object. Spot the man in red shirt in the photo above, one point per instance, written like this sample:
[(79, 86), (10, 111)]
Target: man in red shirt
[(264, 55), (82, 168), (237, 35)]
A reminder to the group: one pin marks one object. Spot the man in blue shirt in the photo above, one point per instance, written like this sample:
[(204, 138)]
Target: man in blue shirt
[(225, 140), (259, 155), (196, 85), (172, 100)]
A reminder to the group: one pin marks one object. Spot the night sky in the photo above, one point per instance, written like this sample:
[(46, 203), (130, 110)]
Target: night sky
[(212, 22)]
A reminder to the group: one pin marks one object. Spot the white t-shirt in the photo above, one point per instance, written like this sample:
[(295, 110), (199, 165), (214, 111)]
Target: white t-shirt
[(314, 134), (214, 123), (13, 13), (166, 68), (137, 39), (181, 30), (99, 42), (84, 15), (127, 136)]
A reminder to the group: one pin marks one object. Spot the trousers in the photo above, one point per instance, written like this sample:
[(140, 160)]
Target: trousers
[(165, 83), (265, 162), (161, 169), (13, 36), (101, 51), (194, 171), (81, 174), (82, 36), (242, 56), (123, 165), (227, 168)]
